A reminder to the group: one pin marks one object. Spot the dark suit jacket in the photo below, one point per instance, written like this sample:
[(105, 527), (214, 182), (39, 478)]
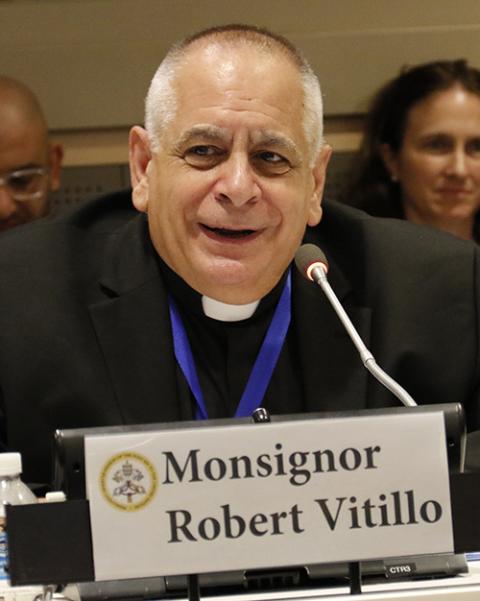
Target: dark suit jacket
[(85, 335)]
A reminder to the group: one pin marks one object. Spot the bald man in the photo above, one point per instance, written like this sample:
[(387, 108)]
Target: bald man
[(29, 163)]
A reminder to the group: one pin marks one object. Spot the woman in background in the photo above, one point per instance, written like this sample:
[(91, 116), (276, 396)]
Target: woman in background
[(420, 157)]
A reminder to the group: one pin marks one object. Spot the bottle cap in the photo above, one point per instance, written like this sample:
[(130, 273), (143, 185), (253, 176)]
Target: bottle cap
[(10, 464), (55, 496)]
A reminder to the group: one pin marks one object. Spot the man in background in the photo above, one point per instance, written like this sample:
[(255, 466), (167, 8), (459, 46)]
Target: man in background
[(30, 163)]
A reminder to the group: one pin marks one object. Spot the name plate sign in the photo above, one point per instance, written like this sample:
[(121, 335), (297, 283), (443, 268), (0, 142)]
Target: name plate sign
[(195, 500)]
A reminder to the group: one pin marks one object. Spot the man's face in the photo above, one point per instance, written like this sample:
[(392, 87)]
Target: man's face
[(23, 145), (232, 189)]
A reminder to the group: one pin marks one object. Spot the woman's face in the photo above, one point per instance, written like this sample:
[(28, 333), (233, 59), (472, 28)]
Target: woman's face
[(438, 164)]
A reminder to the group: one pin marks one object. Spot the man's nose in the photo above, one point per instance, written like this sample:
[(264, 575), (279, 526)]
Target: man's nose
[(8, 205), (237, 182)]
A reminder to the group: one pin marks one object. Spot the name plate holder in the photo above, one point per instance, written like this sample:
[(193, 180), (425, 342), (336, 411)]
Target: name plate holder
[(276, 494), (336, 515)]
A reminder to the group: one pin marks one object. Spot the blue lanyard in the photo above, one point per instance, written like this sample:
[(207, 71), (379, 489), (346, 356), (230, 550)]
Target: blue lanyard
[(262, 369)]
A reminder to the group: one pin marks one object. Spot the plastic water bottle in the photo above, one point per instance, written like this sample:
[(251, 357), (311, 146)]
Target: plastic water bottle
[(12, 492)]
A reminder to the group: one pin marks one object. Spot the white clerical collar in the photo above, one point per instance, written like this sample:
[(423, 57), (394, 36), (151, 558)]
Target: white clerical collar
[(224, 312)]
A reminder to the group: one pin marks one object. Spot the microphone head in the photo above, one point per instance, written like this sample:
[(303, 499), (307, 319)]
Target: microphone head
[(309, 256)]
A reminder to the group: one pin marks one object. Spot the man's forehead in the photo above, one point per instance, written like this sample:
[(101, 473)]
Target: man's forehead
[(16, 123), (22, 144), (237, 80)]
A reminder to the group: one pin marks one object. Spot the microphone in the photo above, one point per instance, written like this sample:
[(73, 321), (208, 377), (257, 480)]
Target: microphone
[(312, 263)]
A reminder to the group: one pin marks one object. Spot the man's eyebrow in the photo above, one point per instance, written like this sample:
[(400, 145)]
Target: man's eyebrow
[(205, 132), (276, 140)]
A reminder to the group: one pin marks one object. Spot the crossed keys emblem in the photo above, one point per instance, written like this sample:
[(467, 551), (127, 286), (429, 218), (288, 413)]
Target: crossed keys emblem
[(128, 477)]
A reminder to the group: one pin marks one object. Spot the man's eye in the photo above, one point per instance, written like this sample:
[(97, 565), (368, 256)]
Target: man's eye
[(272, 162), (20, 182), (271, 157), (203, 156), (202, 150)]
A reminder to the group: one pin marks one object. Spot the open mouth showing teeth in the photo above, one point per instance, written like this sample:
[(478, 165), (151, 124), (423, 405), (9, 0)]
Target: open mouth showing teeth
[(229, 233)]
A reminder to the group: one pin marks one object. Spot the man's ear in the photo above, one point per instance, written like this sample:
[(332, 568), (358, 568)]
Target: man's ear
[(319, 173), (55, 157), (139, 158), (389, 158)]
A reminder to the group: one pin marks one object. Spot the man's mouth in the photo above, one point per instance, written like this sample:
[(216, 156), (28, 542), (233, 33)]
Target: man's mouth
[(229, 233)]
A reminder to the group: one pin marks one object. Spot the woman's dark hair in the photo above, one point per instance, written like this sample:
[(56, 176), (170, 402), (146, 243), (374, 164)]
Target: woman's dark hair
[(371, 187)]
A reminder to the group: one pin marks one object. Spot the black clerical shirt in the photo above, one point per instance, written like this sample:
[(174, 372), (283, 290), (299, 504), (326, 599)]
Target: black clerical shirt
[(225, 353)]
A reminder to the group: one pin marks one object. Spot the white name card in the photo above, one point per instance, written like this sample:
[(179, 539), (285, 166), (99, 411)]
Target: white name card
[(245, 496)]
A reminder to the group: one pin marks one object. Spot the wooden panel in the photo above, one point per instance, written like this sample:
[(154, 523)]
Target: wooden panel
[(90, 61), (363, 62)]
